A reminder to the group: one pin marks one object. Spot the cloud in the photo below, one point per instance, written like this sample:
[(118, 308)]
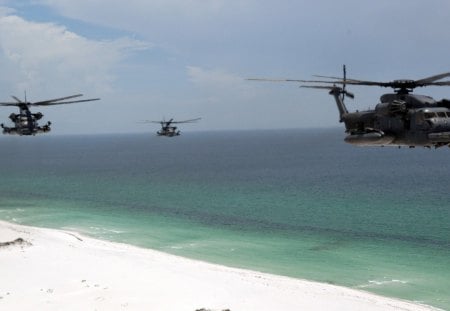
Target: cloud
[(167, 23), (47, 56)]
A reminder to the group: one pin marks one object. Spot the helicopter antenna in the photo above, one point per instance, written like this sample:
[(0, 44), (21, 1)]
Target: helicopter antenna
[(25, 95)]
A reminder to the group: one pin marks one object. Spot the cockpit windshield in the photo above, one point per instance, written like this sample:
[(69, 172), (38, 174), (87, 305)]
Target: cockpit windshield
[(429, 115), (438, 114)]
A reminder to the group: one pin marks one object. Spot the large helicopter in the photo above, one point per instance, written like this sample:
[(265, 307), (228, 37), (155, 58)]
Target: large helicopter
[(167, 129), (400, 119), (25, 122)]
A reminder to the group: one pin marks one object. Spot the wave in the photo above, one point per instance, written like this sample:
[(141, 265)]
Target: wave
[(21, 210), (183, 246), (94, 230), (106, 230), (377, 283)]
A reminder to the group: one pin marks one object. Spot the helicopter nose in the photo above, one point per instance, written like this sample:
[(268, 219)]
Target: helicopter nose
[(442, 124)]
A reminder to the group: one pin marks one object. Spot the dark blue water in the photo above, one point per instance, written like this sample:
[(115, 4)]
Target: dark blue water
[(300, 203)]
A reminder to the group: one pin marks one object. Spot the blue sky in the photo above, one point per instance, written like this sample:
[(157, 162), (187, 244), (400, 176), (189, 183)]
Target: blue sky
[(189, 58)]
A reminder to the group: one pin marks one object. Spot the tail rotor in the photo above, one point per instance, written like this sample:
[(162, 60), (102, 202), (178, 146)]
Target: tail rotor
[(344, 83)]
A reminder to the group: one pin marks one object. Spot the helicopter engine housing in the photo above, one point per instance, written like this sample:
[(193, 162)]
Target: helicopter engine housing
[(395, 107), (13, 117), (38, 115)]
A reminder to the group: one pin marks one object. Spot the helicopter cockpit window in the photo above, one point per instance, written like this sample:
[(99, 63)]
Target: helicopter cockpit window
[(441, 114), (429, 115)]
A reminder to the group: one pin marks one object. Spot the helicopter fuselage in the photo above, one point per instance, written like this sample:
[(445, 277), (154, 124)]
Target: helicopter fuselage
[(399, 120), (169, 131), (25, 123)]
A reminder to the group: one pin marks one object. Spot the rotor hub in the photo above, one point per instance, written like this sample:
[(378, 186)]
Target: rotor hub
[(404, 81)]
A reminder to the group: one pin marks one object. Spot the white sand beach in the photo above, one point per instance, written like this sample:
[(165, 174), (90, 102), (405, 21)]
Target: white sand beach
[(59, 270)]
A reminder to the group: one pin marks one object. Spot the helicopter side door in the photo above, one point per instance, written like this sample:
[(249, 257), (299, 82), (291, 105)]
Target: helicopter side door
[(419, 126), (390, 124)]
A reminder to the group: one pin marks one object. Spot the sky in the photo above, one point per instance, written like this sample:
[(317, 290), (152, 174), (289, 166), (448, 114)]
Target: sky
[(183, 59)]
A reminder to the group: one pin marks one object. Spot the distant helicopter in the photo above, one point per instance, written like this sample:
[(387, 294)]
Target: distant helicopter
[(400, 119), (167, 129), (25, 123)]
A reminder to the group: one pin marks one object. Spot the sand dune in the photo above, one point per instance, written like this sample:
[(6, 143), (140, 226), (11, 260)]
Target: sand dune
[(58, 270)]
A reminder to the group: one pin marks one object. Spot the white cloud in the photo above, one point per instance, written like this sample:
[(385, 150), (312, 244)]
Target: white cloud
[(168, 23), (46, 56)]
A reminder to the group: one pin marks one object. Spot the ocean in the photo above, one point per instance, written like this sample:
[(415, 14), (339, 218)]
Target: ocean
[(294, 202)]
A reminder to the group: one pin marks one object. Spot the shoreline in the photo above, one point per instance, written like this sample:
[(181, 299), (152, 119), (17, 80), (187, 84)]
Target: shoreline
[(52, 269)]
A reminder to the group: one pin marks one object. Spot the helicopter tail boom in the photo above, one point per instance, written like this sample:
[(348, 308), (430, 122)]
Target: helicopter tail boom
[(338, 94)]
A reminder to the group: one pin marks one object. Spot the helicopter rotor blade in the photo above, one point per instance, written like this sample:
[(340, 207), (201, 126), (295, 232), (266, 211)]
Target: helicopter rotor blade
[(187, 121), (354, 82), (322, 87), (327, 77), (331, 88), (349, 94), (403, 85), (44, 102), (167, 123), (442, 83), (52, 103), (275, 80), (394, 84), (339, 79), (151, 121), (17, 99), (10, 104), (407, 84), (433, 78), (17, 102)]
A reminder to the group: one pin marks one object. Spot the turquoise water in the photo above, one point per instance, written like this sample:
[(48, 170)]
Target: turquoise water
[(299, 203)]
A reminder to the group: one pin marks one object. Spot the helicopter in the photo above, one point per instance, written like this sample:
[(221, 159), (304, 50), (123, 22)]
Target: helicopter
[(25, 122), (167, 129), (400, 119)]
